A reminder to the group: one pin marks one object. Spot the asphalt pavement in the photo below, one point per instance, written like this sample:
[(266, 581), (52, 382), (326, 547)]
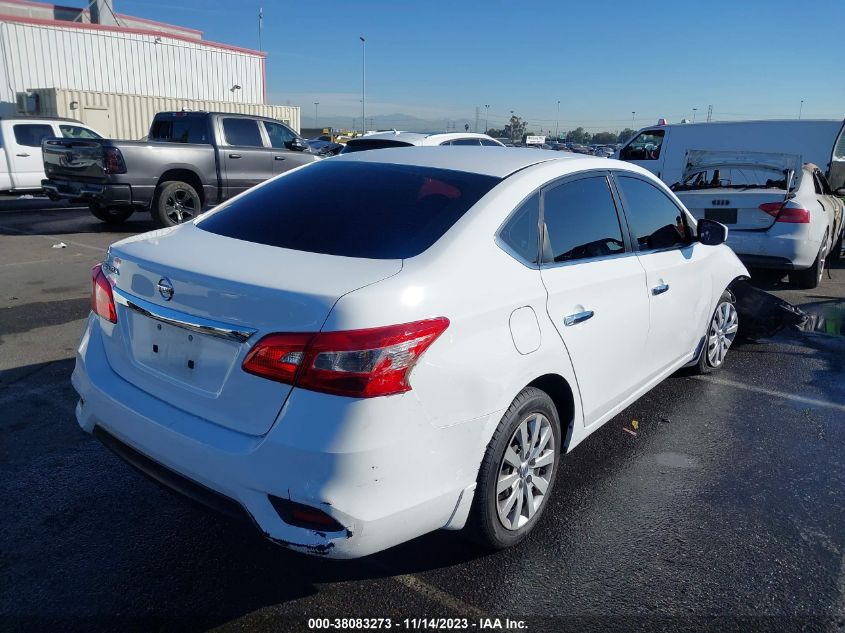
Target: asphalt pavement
[(723, 510)]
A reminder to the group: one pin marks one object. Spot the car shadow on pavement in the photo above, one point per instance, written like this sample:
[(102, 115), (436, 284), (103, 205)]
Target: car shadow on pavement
[(69, 221)]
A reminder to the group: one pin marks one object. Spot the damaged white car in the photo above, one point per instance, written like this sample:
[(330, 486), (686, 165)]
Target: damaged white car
[(413, 349), (781, 213)]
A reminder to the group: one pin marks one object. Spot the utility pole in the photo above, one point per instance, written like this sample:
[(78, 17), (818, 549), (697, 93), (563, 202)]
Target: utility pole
[(363, 84), (260, 26), (316, 125), (709, 113), (557, 120), (486, 118)]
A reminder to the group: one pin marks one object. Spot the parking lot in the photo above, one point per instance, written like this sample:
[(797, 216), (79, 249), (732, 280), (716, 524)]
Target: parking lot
[(722, 508)]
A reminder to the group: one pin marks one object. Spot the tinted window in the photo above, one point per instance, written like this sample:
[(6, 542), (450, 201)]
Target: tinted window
[(279, 134), (75, 131), (654, 219), (489, 143), (354, 209), (242, 132), (463, 141), (580, 221), (31, 134), (520, 232), (839, 150), (376, 143), (646, 146), (180, 129)]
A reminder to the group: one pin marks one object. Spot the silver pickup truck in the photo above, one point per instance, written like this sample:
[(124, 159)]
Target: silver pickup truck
[(191, 162)]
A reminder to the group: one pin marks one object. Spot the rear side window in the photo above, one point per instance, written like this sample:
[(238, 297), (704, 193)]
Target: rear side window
[(520, 234), (839, 150), (656, 222), (31, 134), (180, 129), (580, 221), (486, 142), (463, 141), (352, 209), (242, 132), (76, 131), (367, 144), (646, 146)]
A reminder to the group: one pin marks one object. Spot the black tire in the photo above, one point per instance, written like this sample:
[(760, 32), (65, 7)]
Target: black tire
[(175, 202), (117, 215), (706, 362), (484, 525), (812, 277)]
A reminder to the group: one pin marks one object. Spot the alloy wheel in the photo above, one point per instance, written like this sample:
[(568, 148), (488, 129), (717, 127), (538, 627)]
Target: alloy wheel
[(723, 329), (525, 471), (181, 206)]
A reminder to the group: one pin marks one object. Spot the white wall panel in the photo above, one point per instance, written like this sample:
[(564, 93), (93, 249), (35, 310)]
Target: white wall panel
[(50, 56)]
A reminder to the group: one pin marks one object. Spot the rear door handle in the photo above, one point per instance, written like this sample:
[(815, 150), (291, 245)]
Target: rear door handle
[(234, 155), (278, 157), (578, 317), (659, 290), (23, 155)]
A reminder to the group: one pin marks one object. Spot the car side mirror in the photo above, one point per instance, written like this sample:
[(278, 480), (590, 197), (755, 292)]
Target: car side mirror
[(840, 192), (297, 144), (711, 233)]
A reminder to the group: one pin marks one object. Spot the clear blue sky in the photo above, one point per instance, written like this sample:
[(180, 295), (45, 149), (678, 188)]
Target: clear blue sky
[(438, 60)]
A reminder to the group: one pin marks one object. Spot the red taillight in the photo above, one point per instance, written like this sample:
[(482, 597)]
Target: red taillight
[(790, 214), (113, 161), (102, 299), (356, 363)]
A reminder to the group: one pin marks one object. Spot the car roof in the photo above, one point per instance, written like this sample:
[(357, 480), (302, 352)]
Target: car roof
[(485, 161), (422, 138)]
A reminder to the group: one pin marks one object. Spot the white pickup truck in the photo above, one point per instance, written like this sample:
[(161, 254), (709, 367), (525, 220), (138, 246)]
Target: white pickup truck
[(21, 162)]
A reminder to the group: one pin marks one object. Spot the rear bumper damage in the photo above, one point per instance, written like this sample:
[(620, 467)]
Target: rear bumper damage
[(379, 486)]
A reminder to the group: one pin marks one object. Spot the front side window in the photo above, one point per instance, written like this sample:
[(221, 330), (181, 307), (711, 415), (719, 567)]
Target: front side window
[(580, 221), (279, 135), (31, 134), (656, 221), (520, 232), (646, 146), (76, 131), (242, 132), (364, 209)]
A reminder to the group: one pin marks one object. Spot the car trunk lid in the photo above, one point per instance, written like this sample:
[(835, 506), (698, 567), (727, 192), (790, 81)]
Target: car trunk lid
[(738, 210), (224, 295)]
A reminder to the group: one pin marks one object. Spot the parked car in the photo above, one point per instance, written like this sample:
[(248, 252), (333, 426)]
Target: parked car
[(21, 163), (324, 145), (661, 148), (330, 366), (191, 162), (781, 214), (382, 140)]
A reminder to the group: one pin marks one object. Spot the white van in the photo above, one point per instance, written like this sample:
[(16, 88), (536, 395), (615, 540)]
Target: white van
[(21, 163), (662, 148)]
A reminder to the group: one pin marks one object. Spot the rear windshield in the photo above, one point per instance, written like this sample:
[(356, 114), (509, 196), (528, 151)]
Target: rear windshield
[(180, 128), (353, 209), (375, 143)]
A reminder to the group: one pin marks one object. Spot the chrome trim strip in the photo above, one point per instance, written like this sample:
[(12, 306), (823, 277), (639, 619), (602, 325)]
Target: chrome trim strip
[(182, 320)]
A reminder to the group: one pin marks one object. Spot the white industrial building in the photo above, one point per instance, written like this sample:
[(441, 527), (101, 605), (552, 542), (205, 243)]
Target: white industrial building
[(113, 71)]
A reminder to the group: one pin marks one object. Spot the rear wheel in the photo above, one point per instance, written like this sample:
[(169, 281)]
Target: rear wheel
[(812, 277), (518, 471), (175, 202), (116, 215), (720, 335)]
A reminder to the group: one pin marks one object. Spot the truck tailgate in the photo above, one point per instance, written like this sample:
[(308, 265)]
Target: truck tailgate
[(73, 159)]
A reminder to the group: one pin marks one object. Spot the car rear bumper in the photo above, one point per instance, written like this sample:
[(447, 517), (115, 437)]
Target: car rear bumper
[(788, 250), (103, 194), (335, 454)]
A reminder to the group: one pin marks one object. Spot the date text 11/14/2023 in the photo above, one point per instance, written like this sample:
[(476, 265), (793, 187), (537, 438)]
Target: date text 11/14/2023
[(416, 624)]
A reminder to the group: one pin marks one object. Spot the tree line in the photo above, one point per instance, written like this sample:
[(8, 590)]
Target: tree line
[(516, 130)]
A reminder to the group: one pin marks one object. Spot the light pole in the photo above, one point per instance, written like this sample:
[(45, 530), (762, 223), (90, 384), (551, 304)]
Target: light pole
[(557, 119), (363, 84), (316, 125), (693, 114), (633, 112), (800, 109), (486, 118)]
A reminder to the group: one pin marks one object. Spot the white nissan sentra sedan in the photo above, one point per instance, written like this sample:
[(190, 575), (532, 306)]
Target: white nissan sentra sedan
[(388, 343)]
